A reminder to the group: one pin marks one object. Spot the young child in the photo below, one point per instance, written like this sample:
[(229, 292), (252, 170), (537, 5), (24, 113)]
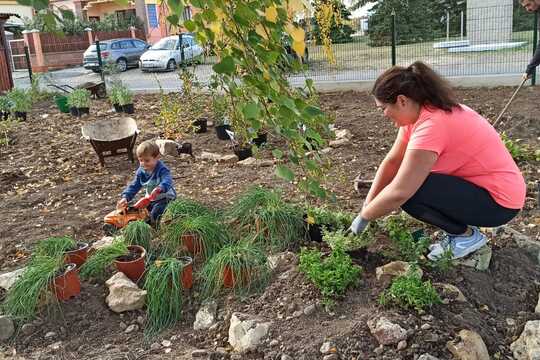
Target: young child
[(155, 178)]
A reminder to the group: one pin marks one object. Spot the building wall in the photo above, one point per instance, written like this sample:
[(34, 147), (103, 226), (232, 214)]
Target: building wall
[(9, 6), (106, 8)]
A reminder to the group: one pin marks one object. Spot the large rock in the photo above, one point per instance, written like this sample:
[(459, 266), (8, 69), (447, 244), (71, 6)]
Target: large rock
[(8, 279), (527, 347), (246, 333), (524, 242), (167, 147), (395, 269), (470, 347), (124, 295), (479, 259), (6, 327), (103, 242), (206, 316), (386, 332), (450, 293)]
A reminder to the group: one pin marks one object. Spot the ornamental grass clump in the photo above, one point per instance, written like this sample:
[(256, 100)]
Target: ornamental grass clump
[(27, 293), (164, 295), (242, 267), (263, 213), (411, 293), (55, 246), (97, 264), (182, 207), (138, 233)]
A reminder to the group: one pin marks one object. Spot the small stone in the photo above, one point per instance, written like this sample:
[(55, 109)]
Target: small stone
[(50, 335), (286, 357), (167, 350), (222, 351), (208, 156), (479, 260), (471, 347), (7, 328), (386, 332), (527, 346), (331, 357), (425, 327), (236, 357), (427, 318), (297, 314), (310, 309), (131, 328), (8, 279), (327, 150), (167, 147), (104, 242), (123, 325), (199, 353), (402, 345), (206, 316), (343, 134), (229, 159), (56, 346), (28, 329), (155, 346), (339, 143), (537, 310), (328, 347), (274, 343), (394, 269), (510, 322), (140, 320), (166, 343), (427, 357), (246, 332), (379, 350), (450, 293), (124, 294)]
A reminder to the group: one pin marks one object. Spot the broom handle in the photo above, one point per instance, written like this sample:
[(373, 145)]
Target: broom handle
[(509, 102)]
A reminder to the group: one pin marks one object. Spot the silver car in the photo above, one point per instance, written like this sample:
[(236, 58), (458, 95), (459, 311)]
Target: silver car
[(124, 53), (166, 54)]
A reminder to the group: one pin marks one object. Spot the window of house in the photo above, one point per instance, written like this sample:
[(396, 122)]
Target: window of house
[(93, 18), (125, 14), (187, 13), (151, 12)]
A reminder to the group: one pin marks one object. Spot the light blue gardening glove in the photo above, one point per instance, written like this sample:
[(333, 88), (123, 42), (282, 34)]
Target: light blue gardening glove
[(358, 225)]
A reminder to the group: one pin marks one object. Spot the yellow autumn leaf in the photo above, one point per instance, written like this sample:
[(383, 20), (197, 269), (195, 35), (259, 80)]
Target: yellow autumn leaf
[(215, 27), (296, 33), (158, 263), (299, 47), (294, 6), (271, 14), (259, 29), (310, 220), (219, 13)]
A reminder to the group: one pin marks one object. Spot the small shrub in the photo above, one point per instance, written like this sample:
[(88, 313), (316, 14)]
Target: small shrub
[(246, 261), (219, 109), (24, 297), (333, 219), (164, 295), (348, 242), (410, 249), (5, 104), (79, 98), (6, 129), (112, 93), (263, 213), (332, 275), (96, 264), (138, 233), (518, 151), (21, 100), (409, 292), (125, 96)]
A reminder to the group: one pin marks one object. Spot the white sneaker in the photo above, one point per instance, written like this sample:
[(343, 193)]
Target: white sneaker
[(460, 245)]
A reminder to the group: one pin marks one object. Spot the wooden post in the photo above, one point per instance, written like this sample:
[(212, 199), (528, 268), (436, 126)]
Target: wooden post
[(132, 30), (9, 77), (40, 58), (90, 37)]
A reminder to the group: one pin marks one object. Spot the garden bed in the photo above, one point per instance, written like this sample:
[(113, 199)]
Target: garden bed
[(51, 182)]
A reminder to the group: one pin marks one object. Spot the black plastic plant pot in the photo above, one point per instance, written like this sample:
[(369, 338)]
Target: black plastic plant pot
[(19, 115), (185, 148), (117, 108), (242, 153), (315, 232), (222, 133), (4, 115), (128, 108), (78, 112), (261, 139), (201, 126)]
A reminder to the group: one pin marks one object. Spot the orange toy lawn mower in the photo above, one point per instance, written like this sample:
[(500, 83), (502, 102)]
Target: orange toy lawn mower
[(119, 218)]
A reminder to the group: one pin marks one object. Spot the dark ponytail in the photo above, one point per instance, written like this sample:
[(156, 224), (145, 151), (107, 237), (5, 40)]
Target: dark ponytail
[(418, 82)]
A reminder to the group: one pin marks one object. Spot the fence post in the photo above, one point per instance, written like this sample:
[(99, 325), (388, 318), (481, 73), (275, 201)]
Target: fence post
[(90, 37), (182, 54), (28, 62), (535, 44), (40, 58), (132, 30), (393, 29), (100, 61)]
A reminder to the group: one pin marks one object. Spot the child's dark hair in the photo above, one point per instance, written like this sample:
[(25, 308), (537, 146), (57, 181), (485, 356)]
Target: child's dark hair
[(418, 82)]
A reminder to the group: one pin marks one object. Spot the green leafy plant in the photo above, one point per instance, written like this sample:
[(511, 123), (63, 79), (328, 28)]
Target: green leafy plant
[(207, 228), (6, 129), (125, 96), (263, 213), (410, 292), (183, 207), (164, 294), (5, 104), (97, 264), (326, 217), (332, 275), (219, 109), (518, 151), (21, 100), (245, 261), (112, 93), (348, 241), (55, 246), (138, 233), (410, 249), (25, 296), (79, 98)]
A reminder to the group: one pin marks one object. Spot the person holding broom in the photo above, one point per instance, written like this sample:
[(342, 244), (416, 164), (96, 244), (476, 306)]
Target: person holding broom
[(448, 166), (532, 6)]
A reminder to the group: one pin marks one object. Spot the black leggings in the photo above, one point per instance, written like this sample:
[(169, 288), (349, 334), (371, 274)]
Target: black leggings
[(451, 203)]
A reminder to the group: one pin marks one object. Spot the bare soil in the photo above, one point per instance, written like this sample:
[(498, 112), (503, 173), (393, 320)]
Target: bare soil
[(51, 184)]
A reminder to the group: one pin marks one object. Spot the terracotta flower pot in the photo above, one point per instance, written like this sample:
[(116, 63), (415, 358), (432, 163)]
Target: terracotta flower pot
[(229, 279), (78, 256), (192, 243), (133, 268), (68, 284), (187, 272)]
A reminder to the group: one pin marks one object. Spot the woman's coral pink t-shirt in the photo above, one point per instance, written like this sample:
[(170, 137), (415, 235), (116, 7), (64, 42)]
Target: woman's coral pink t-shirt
[(468, 147)]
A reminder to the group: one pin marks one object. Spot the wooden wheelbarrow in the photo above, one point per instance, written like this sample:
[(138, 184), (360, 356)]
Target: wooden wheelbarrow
[(108, 136), (98, 90)]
